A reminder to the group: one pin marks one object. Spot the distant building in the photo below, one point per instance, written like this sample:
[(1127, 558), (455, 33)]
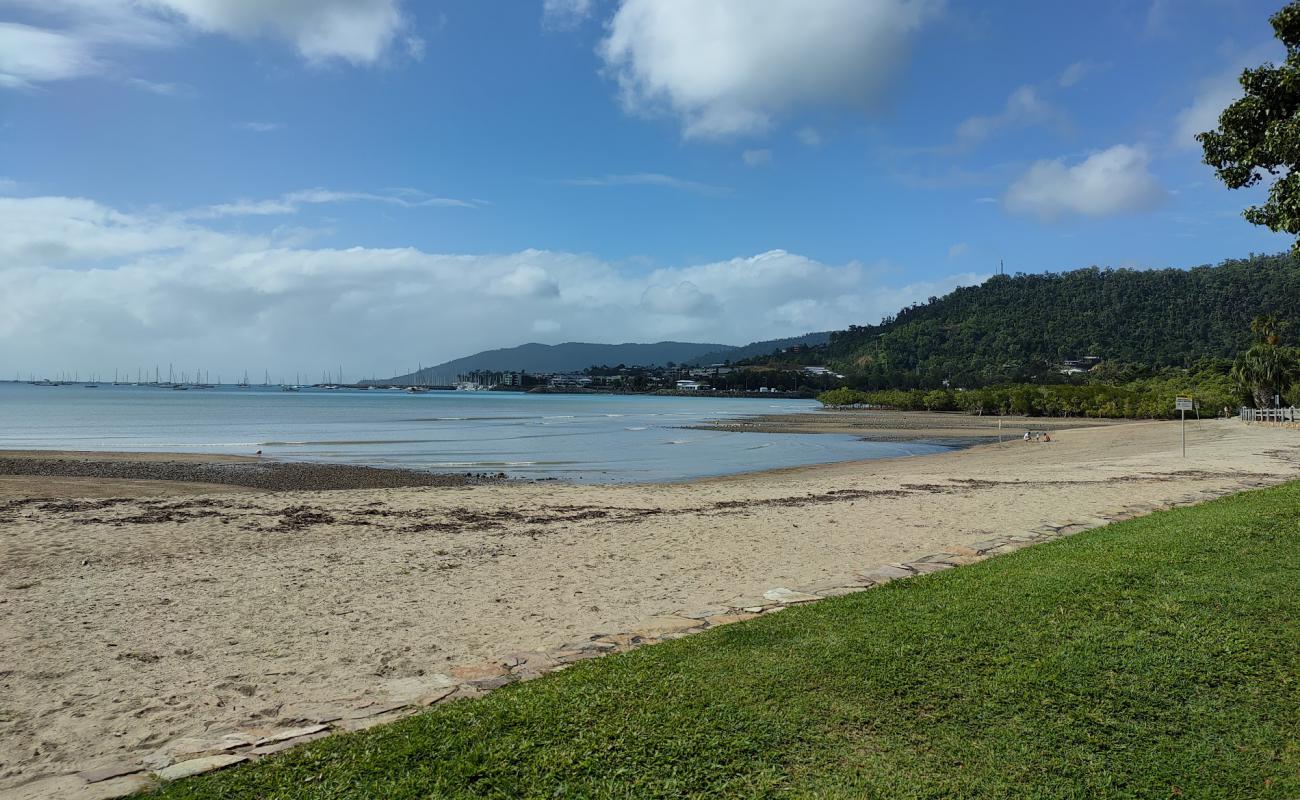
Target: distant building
[(689, 386)]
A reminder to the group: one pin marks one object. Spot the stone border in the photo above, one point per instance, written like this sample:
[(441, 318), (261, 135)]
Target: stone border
[(188, 756)]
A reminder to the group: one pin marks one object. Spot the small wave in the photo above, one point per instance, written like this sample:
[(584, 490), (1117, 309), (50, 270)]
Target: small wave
[(636, 428)]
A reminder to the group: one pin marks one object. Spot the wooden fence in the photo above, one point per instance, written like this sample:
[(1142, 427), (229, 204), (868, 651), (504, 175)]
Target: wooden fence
[(1275, 416)]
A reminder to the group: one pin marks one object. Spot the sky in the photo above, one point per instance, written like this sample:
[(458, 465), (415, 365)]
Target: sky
[(302, 185)]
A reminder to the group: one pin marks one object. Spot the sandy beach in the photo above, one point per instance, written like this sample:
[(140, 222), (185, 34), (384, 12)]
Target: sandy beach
[(133, 620)]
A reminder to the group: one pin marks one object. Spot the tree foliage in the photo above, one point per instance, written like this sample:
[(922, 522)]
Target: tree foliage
[(1146, 398), (1022, 329), (1268, 368), (1259, 134)]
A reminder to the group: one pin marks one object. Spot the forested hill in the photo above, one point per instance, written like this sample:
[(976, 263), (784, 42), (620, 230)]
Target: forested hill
[(1023, 327)]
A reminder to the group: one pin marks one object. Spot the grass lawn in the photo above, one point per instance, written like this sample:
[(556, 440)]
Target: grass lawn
[(1153, 658)]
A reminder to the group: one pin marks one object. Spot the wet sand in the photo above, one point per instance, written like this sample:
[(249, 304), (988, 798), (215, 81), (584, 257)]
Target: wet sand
[(35, 473), (129, 622), (951, 428)]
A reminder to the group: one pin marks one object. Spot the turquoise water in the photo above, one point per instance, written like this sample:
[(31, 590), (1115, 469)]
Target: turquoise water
[(600, 438)]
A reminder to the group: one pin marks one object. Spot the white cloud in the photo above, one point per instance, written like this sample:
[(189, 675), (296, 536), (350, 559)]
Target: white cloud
[(30, 55), (1023, 108), (87, 287), (809, 136), (1108, 182), (756, 158), (1074, 73), (526, 281), (260, 127), (79, 38), (357, 31), (649, 179), (728, 67), (958, 250), (292, 202), (1215, 93), (565, 14)]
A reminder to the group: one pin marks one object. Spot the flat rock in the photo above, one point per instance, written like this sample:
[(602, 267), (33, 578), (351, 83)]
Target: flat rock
[(705, 614), (412, 690), (840, 591), (886, 574), (285, 744), (932, 566), (290, 733), (787, 596), (727, 619), (198, 766), (488, 684), (658, 626), (375, 721), (112, 770), (478, 672)]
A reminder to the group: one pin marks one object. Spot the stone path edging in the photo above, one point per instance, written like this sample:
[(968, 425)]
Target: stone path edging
[(189, 756)]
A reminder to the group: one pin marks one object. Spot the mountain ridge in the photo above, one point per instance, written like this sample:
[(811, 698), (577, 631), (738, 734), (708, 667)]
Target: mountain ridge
[(536, 357)]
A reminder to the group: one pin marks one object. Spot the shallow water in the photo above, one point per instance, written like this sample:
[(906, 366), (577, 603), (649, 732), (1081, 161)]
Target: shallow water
[(600, 438)]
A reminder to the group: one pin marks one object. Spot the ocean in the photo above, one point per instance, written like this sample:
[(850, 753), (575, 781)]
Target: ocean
[(587, 438)]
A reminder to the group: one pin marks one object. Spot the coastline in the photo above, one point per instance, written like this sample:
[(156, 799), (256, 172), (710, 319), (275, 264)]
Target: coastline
[(937, 427), (35, 473), (91, 473), (215, 613)]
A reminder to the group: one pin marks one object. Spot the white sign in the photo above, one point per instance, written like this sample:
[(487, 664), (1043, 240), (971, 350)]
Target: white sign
[(1184, 404)]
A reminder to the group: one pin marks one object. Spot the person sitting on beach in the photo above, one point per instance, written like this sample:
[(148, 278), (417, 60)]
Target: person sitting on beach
[(1026, 436), (1047, 437)]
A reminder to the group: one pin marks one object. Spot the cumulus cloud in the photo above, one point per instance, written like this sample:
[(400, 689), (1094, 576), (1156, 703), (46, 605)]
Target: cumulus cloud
[(77, 38), (526, 281), (1108, 182), (84, 286), (729, 67), (756, 158), (958, 250)]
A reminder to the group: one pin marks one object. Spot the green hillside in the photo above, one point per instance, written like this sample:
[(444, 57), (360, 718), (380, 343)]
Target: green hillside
[(1021, 328)]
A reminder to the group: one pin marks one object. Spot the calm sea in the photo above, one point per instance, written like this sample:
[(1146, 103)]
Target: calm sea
[(598, 438)]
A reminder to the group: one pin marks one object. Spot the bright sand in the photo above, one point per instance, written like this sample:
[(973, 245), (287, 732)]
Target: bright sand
[(126, 624)]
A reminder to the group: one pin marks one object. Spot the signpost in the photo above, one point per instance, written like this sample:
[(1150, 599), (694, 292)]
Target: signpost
[(1182, 405)]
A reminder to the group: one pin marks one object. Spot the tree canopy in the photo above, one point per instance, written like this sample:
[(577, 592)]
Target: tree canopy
[(1024, 328), (1259, 134)]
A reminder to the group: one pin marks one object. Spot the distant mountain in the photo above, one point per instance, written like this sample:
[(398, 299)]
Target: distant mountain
[(567, 357), (764, 348), (577, 356)]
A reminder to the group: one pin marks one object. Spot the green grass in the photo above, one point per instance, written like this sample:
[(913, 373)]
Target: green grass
[(1152, 658)]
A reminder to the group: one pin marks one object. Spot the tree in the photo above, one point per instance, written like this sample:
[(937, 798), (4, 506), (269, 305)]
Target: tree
[(1267, 368), (1260, 133)]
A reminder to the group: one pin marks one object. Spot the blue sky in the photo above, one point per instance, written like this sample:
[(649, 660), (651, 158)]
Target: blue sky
[(458, 174)]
